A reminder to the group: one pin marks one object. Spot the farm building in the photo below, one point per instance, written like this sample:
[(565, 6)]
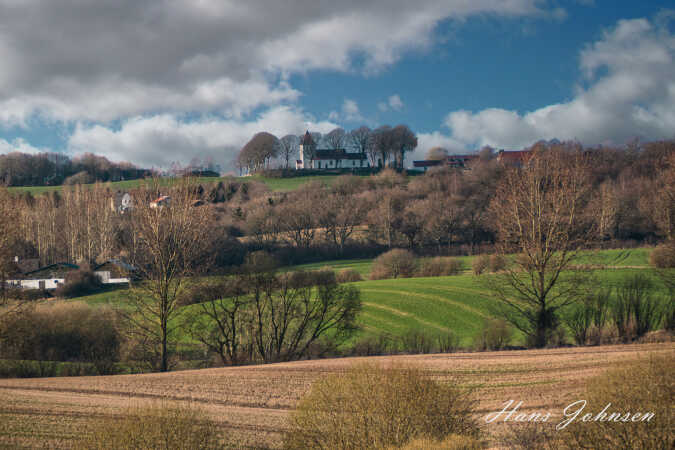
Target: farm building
[(50, 277)]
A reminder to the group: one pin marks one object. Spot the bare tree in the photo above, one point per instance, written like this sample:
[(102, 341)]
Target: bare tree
[(361, 139), (259, 151), (339, 217), (288, 146), (538, 214), (173, 244), (336, 139), (404, 141), (382, 145), (8, 233)]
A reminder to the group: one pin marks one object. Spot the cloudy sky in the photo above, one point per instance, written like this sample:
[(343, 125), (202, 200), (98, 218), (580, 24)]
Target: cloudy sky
[(158, 81)]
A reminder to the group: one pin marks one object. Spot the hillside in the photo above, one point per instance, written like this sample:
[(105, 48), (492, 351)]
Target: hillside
[(275, 184), (250, 404)]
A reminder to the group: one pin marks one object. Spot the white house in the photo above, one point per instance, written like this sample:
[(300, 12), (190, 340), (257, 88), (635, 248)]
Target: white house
[(311, 158)]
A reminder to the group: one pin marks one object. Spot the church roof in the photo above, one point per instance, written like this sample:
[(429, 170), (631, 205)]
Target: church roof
[(307, 139), (340, 153)]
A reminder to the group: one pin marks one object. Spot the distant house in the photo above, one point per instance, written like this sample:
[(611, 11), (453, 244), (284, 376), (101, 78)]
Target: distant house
[(313, 158), (455, 161), (163, 200), (112, 271), (121, 202), (115, 271), (514, 158), (47, 277)]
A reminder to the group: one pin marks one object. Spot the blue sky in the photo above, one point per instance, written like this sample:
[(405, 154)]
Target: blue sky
[(157, 82)]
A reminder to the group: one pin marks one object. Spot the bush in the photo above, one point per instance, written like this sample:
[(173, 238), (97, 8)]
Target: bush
[(439, 267), (373, 407), (380, 344), (62, 331), (496, 263), (415, 341), (79, 283), (452, 442), (663, 256), (646, 386), (348, 276), (636, 310), (495, 335), (480, 264), (79, 178), (393, 264), (157, 427)]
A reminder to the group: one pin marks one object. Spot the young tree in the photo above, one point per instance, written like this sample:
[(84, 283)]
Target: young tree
[(362, 139), (404, 141), (172, 246), (538, 214), (288, 146)]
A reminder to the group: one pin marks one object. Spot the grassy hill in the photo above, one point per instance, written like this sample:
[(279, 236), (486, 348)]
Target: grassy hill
[(275, 184), (435, 306)]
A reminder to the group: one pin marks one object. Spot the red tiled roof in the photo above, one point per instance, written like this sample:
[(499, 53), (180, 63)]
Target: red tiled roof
[(516, 155)]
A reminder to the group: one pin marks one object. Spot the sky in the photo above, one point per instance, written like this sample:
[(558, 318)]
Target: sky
[(160, 81)]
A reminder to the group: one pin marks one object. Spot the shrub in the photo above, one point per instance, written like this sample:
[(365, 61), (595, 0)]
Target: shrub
[(480, 264), (348, 276), (393, 264), (495, 335), (373, 407), (496, 263), (636, 310), (451, 442), (439, 266), (79, 283), (663, 256), (646, 386), (530, 436), (380, 344), (79, 178), (156, 427), (415, 341), (62, 331), (447, 342)]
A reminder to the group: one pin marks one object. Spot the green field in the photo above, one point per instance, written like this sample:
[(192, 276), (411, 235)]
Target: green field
[(459, 303), (275, 184), (614, 258)]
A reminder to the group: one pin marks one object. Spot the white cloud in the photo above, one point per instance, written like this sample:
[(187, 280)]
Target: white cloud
[(394, 103), (19, 145), (162, 139), (630, 92), (103, 60)]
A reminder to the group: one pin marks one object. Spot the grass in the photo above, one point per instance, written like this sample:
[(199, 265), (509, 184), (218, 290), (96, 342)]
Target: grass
[(275, 184), (436, 305)]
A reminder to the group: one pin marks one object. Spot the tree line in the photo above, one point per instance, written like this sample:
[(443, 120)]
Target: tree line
[(52, 169)]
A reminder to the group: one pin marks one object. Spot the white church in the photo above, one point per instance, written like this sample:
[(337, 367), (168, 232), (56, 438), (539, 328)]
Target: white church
[(311, 158)]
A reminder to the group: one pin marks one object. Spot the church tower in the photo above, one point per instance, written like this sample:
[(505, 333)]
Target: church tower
[(307, 149)]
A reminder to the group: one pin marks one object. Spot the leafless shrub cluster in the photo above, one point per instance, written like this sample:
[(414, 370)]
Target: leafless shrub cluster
[(372, 407)]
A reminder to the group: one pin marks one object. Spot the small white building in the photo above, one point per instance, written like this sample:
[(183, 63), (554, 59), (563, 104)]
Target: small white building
[(311, 158)]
